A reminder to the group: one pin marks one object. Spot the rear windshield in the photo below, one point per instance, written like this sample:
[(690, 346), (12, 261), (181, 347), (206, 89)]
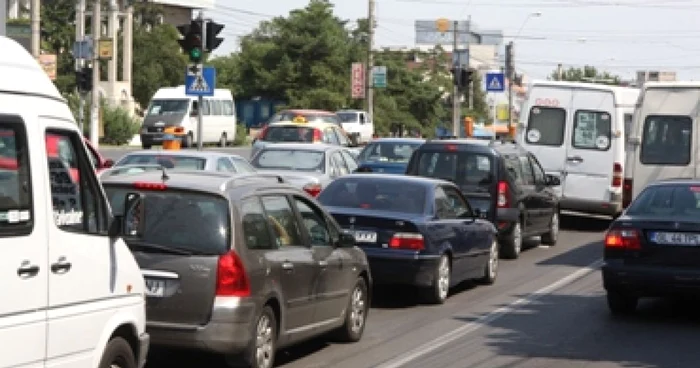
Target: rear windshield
[(315, 118), (188, 221), (666, 140), (169, 107), (289, 134), (169, 161), (348, 117), (383, 195), (388, 152), (461, 168), (668, 201), (545, 126), (298, 160)]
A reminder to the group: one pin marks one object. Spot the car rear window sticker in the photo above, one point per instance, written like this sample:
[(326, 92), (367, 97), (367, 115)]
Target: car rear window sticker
[(534, 135)]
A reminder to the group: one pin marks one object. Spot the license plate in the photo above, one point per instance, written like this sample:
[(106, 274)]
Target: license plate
[(155, 288), (365, 236), (687, 239)]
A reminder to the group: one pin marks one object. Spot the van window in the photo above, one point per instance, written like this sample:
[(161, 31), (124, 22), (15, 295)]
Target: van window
[(628, 129), (227, 107), (546, 126), (168, 106), (592, 130), (206, 107), (216, 107), (349, 117), (666, 140), (16, 214)]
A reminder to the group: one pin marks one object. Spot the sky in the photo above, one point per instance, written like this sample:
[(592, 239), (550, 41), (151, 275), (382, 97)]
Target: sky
[(618, 36)]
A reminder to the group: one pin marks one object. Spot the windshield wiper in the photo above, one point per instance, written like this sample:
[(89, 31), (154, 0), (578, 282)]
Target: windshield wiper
[(140, 245)]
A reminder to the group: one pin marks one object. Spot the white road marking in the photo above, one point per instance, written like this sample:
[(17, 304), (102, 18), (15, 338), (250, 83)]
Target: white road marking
[(458, 333)]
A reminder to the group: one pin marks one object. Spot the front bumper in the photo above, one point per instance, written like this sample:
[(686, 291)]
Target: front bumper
[(650, 281), (395, 267)]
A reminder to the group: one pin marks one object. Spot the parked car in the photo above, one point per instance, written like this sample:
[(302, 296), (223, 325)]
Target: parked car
[(503, 180), (653, 249), (285, 274), (388, 155), (309, 167), (416, 231), (189, 160)]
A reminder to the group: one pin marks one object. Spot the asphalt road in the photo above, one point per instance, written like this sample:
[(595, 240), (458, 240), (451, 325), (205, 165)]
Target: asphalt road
[(115, 153)]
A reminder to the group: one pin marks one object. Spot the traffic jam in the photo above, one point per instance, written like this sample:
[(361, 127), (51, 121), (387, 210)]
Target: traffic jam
[(244, 257)]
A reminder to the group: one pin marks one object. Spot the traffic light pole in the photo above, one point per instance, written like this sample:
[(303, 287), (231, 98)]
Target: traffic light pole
[(455, 88), (200, 99), (95, 105)]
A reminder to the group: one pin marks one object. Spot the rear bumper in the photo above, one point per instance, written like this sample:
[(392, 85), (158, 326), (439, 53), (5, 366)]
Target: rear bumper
[(229, 330), (650, 281), (607, 208), (144, 345), (392, 267)]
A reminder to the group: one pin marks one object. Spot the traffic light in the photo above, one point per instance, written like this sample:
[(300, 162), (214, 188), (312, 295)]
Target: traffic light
[(212, 40), (466, 78), (191, 42), (83, 79), (456, 75)]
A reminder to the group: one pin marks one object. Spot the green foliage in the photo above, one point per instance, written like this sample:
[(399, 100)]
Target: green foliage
[(587, 74), (119, 126), (57, 37), (241, 135)]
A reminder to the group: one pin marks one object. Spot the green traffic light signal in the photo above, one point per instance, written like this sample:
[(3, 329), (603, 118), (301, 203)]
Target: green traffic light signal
[(195, 55)]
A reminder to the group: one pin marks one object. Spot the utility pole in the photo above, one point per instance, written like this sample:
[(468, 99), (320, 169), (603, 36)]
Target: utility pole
[(510, 70), (471, 85), (36, 27), (200, 99), (95, 104), (79, 62), (370, 60), (560, 72), (455, 88)]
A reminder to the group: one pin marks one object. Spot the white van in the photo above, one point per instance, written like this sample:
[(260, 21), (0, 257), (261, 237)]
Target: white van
[(170, 106), (357, 123), (577, 131), (71, 293), (663, 143)]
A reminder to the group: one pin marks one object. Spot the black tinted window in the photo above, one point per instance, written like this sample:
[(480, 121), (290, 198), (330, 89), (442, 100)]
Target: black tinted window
[(183, 220), (388, 152), (167, 161), (592, 130), (16, 216), (666, 140), (385, 195), (289, 134), (461, 168), (668, 201), (545, 126), (255, 230)]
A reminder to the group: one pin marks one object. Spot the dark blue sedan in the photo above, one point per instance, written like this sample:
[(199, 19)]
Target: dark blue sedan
[(415, 231), (387, 155)]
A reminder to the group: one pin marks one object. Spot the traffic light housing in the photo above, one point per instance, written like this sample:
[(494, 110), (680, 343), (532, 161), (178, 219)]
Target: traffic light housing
[(212, 40), (191, 42), (83, 79), (462, 77)]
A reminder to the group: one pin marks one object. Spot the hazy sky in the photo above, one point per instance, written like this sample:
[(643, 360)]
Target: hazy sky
[(621, 36)]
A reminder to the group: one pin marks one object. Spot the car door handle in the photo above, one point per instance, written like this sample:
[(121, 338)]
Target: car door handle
[(27, 270), (287, 266), (323, 264), (574, 159), (62, 266)]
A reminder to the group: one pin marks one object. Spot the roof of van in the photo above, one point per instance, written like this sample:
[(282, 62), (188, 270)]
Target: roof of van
[(22, 73), (624, 95), (677, 84), (179, 91)]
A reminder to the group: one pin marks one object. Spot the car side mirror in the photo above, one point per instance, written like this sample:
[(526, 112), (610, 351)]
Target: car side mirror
[(108, 163), (478, 213), (134, 219), (347, 240), (552, 180)]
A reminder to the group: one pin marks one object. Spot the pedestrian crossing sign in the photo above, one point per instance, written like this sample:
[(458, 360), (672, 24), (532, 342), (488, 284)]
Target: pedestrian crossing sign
[(495, 82), (202, 83)]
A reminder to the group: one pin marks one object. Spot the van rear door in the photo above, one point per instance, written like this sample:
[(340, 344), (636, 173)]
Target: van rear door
[(590, 150)]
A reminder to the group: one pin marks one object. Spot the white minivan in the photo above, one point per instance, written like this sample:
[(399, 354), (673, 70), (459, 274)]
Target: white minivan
[(171, 107), (663, 142), (71, 293), (357, 123), (577, 131)]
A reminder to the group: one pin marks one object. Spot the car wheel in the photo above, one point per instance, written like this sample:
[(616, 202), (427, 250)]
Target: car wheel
[(356, 314), (261, 350), (491, 268), (118, 354), (223, 141), (513, 242), (437, 294), (621, 304), (551, 236)]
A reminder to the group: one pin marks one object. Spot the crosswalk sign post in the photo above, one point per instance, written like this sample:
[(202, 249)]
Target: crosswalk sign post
[(495, 82)]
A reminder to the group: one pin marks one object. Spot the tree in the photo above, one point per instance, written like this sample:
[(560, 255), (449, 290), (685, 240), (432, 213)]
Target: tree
[(57, 37), (586, 74)]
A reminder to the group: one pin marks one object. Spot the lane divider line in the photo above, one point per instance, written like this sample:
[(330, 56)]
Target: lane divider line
[(470, 327)]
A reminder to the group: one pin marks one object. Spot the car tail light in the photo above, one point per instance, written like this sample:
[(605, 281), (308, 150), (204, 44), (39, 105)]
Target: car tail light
[(503, 201), (617, 175), (231, 277), (150, 186), (628, 239), (313, 189), (317, 136), (451, 147), (411, 241), (179, 130), (627, 193)]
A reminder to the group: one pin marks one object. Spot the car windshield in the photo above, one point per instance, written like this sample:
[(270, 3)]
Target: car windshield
[(193, 222), (668, 201), (168, 106), (289, 134), (348, 117), (377, 194), (289, 159), (461, 168), (167, 161), (388, 152)]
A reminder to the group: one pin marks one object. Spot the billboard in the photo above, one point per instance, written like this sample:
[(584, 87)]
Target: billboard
[(427, 33), (358, 80)]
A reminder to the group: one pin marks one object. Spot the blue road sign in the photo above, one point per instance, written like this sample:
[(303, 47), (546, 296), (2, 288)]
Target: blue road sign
[(201, 84), (495, 82)]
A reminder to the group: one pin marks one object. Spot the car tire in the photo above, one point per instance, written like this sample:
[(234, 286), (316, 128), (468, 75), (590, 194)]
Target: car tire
[(223, 142), (437, 293), (551, 236), (491, 268), (512, 244), (356, 314), (621, 304), (118, 354), (266, 330)]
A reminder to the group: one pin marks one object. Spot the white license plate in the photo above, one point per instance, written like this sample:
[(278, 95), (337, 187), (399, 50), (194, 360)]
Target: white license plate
[(155, 288), (676, 238), (365, 236)]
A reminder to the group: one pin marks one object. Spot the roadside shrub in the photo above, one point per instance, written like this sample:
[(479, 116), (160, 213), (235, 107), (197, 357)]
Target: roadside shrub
[(241, 135), (119, 126)]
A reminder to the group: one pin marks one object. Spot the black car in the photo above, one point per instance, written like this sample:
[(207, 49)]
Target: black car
[(502, 180), (415, 231), (653, 249)]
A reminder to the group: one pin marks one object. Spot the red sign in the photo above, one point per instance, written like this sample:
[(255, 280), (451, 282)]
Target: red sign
[(358, 80), (547, 102)]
